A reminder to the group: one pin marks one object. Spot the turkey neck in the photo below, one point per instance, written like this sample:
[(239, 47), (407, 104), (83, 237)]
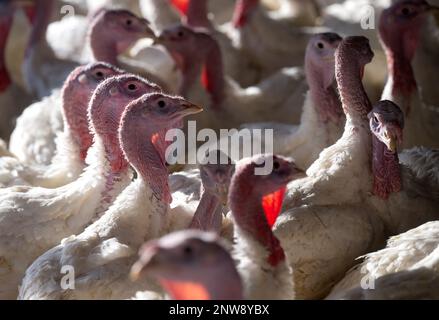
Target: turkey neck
[(211, 65), (243, 10), (325, 99), (197, 14), (385, 168), (141, 148), (401, 75), (249, 216), (355, 101), (106, 115), (5, 27), (103, 47), (75, 104), (208, 217), (43, 14)]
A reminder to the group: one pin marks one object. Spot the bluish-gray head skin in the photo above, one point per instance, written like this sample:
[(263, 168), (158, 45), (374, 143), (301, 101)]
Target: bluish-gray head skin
[(386, 121), (216, 173)]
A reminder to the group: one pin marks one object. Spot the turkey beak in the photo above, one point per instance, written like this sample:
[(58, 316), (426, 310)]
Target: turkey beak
[(159, 40), (146, 262), (188, 108), (391, 137), (148, 33)]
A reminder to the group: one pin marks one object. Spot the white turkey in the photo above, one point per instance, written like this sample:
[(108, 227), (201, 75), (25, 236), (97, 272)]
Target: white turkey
[(72, 144), (104, 252), (408, 268), (38, 146), (34, 219), (400, 29), (322, 120)]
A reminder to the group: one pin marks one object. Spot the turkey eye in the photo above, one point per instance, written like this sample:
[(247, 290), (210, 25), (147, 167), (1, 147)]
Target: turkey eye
[(99, 74), (276, 165), (187, 251), (375, 119), (320, 45), (132, 87), (161, 104), (405, 11), (180, 34), (129, 22)]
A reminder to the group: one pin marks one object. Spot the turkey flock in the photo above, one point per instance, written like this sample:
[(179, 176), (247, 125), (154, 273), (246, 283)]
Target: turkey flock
[(92, 208)]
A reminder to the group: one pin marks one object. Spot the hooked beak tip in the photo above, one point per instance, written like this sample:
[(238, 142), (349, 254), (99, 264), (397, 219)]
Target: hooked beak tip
[(190, 108)]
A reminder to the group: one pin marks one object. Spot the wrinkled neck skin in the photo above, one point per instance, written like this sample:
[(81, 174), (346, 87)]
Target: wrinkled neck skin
[(208, 216), (249, 216), (197, 14), (325, 99), (5, 27), (385, 169), (355, 101), (147, 158), (100, 168), (106, 123), (76, 122)]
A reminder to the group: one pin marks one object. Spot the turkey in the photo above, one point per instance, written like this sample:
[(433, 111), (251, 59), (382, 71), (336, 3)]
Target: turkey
[(210, 198), (322, 120), (406, 269), (400, 32), (327, 221), (104, 252), (230, 105), (236, 63), (163, 14), (255, 197), (72, 144), (39, 146), (424, 63), (188, 264), (13, 97), (406, 195), (359, 17), (41, 69), (253, 31), (33, 219)]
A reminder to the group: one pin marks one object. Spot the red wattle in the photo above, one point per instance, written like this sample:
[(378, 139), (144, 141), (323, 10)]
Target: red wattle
[(185, 290), (181, 5), (272, 204)]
